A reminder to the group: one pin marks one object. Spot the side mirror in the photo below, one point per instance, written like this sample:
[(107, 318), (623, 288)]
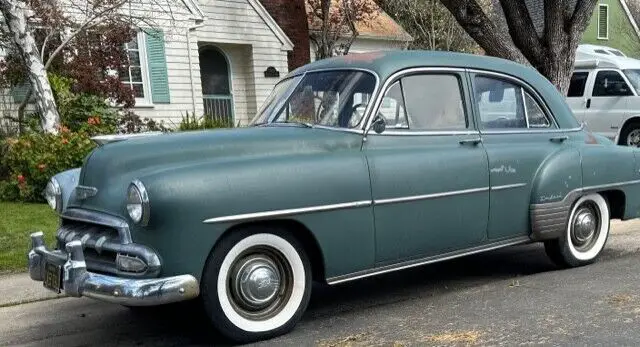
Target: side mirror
[(379, 124)]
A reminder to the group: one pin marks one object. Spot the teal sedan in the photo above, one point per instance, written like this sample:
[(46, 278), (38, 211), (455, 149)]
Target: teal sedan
[(353, 167)]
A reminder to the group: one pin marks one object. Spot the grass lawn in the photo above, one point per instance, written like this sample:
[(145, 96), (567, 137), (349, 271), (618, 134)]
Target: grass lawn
[(17, 221)]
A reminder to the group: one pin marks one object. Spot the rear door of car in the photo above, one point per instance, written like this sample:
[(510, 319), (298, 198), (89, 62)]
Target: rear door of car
[(518, 134), (428, 168)]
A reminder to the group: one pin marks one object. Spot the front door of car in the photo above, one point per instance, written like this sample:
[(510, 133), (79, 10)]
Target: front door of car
[(607, 102), (428, 169), (518, 136)]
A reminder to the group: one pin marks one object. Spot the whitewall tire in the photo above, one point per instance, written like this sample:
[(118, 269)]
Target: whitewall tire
[(256, 284), (585, 234)]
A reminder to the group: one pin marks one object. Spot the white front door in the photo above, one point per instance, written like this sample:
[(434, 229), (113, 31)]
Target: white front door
[(607, 102)]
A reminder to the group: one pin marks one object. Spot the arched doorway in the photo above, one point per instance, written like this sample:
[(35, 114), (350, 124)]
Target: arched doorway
[(215, 77)]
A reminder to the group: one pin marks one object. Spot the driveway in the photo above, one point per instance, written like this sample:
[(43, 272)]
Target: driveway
[(507, 297)]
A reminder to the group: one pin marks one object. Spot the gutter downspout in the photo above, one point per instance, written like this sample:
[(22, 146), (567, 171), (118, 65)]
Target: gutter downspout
[(193, 88)]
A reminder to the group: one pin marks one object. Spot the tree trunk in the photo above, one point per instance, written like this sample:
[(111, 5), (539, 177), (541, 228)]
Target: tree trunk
[(16, 20)]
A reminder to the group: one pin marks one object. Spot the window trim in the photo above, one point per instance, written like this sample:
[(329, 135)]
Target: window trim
[(598, 22), (524, 87), (147, 100), (397, 76), (624, 78)]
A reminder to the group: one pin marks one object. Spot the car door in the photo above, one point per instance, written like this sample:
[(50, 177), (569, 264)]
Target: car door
[(428, 169), (576, 97), (607, 102), (518, 135)]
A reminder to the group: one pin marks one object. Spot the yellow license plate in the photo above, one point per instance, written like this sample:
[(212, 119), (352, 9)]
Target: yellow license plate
[(52, 277)]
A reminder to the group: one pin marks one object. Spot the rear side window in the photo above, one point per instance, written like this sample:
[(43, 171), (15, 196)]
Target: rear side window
[(577, 85)]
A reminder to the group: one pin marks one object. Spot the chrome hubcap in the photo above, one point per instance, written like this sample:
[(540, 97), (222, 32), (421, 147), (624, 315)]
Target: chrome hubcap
[(259, 283), (633, 139), (585, 227)]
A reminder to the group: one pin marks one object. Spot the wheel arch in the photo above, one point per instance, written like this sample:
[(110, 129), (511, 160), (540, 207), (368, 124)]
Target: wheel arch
[(297, 230), (625, 123)]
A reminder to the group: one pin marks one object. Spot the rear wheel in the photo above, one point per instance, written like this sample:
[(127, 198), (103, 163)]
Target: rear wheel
[(256, 284), (585, 235)]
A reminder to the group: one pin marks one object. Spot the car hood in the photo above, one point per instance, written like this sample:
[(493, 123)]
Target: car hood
[(111, 167)]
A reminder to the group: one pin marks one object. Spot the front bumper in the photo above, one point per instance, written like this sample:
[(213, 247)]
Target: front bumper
[(77, 281)]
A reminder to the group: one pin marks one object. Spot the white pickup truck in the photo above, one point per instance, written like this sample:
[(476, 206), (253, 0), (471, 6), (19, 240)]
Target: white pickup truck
[(605, 93)]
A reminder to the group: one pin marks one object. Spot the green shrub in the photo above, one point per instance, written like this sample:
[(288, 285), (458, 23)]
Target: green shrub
[(131, 123), (34, 157), (191, 122)]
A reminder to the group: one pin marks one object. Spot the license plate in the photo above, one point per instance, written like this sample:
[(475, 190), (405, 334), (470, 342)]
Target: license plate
[(52, 277)]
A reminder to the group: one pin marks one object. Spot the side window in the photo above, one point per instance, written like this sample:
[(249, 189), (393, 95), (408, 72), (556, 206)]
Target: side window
[(434, 102), (577, 85), (393, 108), (537, 118), (505, 105), (610, 83), (499, 104)]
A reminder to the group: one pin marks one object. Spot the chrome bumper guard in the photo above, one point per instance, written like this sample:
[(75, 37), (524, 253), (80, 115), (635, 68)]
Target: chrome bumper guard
[(77, 281)]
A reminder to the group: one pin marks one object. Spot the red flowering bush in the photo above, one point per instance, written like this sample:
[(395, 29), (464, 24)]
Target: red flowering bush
[(34, 157)]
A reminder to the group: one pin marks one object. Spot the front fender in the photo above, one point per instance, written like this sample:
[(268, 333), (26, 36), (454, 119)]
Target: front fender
[(183, 198)]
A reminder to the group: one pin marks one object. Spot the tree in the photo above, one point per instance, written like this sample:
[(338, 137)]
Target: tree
[(333, 24), (549, 44), (430, 24), (89, 34)]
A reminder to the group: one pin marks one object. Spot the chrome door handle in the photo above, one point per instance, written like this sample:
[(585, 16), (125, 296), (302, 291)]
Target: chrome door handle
[(473, 142), (559, 138)]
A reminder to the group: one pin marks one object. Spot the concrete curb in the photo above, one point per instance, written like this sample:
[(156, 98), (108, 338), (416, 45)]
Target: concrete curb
[(17, 289)]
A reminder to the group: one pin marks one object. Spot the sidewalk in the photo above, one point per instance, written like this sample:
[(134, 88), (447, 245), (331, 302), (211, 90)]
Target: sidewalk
[(19, 289)]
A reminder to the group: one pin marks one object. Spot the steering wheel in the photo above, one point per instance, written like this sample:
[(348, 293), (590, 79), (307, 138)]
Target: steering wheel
[(356, 116)]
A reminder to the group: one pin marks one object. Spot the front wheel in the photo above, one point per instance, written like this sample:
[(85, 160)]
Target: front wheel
[(585, 235), (256, 284)]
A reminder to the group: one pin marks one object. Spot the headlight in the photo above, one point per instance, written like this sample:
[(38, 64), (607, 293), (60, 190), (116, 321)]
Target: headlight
[(138, 203), (53, 195)]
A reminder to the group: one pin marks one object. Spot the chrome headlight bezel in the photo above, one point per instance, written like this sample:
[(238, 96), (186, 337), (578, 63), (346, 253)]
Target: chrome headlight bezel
[(53, 194), (138, 200)]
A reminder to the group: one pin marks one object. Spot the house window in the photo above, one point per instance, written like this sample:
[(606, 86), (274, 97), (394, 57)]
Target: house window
[(135, 74), (603, 22)]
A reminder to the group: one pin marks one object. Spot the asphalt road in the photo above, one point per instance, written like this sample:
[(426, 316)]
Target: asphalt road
[(507, 297)]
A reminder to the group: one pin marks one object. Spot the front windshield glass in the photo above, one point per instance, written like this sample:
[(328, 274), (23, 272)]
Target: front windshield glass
[(329, 98), (634, 77)]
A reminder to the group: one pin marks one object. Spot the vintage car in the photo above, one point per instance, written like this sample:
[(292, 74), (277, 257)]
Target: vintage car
[(355, 166)]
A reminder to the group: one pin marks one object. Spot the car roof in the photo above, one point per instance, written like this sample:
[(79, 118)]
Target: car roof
[(386, 63), (585, 60)]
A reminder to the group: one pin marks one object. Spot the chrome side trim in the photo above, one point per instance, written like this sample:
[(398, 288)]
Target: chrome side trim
[(508, 186), (288, 212), (427, 260), (530, 131), (429, 196), (393, 132), (611, 185)]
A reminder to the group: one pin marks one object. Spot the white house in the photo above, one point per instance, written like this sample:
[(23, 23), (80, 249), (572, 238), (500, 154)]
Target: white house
[(222, 57)]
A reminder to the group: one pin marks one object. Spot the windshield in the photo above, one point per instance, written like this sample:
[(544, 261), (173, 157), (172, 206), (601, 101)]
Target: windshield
[(329, 98), (634, 77)]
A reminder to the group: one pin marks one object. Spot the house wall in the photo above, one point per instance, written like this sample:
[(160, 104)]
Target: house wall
[(621, 33)]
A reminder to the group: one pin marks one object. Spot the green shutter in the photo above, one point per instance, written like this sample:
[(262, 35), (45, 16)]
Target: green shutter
[(157, 64), (19, 92)]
